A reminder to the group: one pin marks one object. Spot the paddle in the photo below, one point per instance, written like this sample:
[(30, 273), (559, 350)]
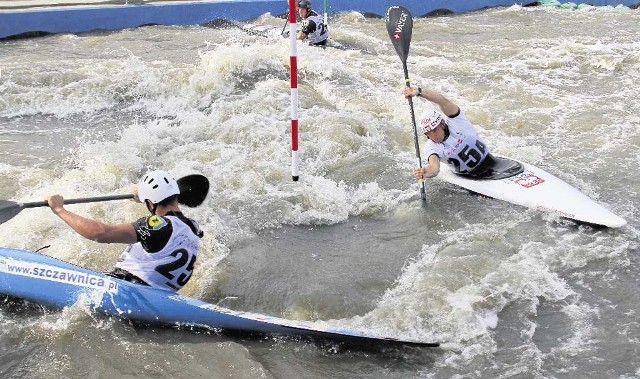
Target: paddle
[(193, 191), (286, 21), (400, 25)]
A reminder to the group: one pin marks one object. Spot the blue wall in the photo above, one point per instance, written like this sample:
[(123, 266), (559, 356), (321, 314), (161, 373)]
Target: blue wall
[(75, 19), (416, 7)]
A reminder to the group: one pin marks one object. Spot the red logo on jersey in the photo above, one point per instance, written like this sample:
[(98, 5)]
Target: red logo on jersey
[(528, 180)]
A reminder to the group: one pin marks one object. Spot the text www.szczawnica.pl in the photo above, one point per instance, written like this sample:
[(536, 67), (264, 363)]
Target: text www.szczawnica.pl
[(56, 274)]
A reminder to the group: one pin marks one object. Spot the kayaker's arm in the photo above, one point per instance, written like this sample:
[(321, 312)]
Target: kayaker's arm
[(447, 106), (91, 229)]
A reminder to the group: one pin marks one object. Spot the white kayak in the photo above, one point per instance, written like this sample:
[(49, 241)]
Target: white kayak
[(523, 184), (268, 31), (275, 32)]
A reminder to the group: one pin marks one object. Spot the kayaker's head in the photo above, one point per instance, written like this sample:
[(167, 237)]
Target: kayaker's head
[(304, 8), (433, 125), (158, 188)]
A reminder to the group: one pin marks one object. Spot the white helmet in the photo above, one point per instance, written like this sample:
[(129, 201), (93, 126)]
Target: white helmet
[(429, 120), (157, 186)]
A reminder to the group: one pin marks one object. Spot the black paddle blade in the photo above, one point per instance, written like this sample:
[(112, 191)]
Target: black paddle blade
[(193, 190), (8, 210), (399, 25)]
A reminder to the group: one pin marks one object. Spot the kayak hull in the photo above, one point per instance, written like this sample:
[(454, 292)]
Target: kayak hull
[(57, 284)]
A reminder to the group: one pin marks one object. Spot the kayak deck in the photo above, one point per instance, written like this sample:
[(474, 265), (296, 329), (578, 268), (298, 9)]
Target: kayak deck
[(535, 188)]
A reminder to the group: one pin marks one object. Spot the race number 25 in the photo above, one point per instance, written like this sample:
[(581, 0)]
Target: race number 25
[(182, 259)]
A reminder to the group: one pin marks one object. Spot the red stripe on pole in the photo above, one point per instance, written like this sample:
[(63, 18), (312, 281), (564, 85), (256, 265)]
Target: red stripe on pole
[(294, 135), (293, 63), (292, 11)]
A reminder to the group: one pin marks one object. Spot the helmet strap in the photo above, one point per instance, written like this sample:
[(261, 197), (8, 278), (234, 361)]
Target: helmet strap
[(446, 132), (151, 208)]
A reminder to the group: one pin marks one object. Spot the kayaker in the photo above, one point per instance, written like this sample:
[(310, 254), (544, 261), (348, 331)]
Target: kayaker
[(312, 28), (162, 247), (452, 138)]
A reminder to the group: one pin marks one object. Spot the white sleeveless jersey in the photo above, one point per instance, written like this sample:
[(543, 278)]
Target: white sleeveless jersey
[(463, 148), (317, 34), (170, 267)]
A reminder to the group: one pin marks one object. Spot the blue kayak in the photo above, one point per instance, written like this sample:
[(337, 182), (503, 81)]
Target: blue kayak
[(57, 284)]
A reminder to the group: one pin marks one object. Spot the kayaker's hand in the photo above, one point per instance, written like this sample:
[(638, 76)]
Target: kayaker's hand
[(419, 172), (56, 203), (410, 91), (136, 198)]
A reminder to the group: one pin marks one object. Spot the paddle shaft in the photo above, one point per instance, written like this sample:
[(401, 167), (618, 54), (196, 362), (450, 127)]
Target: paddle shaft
[(286, 21), (9, 209), (96, 199), (423, 194)]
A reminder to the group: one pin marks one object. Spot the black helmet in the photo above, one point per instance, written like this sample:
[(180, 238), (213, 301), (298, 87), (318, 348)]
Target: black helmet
[(304, 4)]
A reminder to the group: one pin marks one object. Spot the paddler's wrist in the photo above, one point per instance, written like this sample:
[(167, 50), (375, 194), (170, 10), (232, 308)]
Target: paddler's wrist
[(58, 211)]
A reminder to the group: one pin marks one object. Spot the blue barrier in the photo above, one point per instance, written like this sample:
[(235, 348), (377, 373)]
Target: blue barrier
[(77, 19)]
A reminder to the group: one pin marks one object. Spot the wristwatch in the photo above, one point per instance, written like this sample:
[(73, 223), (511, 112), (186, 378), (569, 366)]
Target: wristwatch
[(419, 92)]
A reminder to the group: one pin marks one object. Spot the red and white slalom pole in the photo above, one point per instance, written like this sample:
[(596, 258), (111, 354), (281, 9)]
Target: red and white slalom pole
[(293, 66)]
